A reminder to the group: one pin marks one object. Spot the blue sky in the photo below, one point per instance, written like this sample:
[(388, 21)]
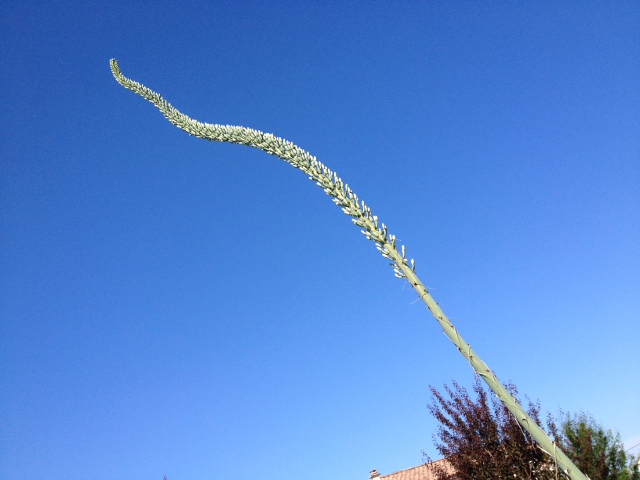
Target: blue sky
[(202, 310)]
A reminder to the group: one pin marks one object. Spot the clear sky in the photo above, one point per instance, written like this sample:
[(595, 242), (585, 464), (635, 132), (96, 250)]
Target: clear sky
[(202, 310)]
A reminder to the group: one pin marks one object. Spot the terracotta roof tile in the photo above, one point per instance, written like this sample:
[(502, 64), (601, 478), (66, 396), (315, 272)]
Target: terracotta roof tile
[(419, 472)]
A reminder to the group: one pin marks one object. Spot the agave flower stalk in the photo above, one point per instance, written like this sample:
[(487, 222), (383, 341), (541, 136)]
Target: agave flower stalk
[(372, 228)]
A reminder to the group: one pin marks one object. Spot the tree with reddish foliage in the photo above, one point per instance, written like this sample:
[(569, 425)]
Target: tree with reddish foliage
[(481, 439)]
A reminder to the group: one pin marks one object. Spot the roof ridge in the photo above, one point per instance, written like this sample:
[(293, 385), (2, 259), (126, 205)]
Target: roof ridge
[(411, 468)]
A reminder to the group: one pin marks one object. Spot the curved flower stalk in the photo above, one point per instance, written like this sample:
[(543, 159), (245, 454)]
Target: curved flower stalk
[(374, 230)]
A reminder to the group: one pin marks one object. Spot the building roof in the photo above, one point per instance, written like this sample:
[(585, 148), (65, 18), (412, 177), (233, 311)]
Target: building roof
[(419, 472)]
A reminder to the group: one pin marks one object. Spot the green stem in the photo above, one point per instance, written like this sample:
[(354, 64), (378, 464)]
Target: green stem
[(385, 243)]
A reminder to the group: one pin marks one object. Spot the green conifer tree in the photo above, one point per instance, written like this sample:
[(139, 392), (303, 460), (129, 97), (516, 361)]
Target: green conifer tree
[(599, 453)]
